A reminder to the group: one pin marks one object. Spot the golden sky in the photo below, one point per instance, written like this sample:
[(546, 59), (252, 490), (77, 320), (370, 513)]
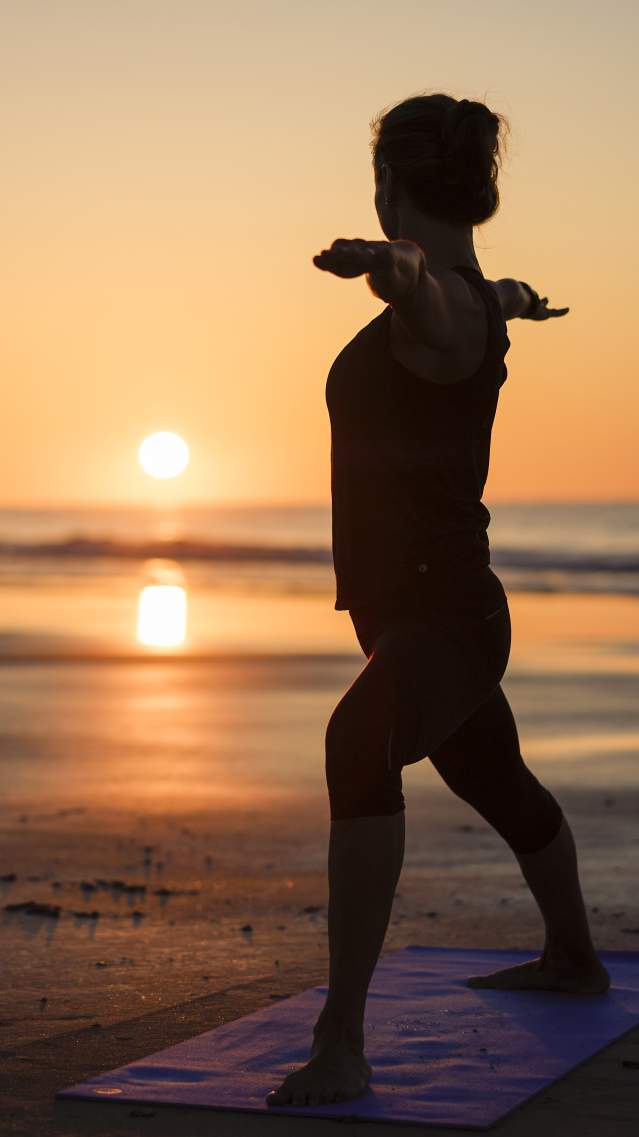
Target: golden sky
[(170, 167)]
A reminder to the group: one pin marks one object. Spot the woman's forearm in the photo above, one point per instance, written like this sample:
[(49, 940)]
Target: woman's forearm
[(515, 298)]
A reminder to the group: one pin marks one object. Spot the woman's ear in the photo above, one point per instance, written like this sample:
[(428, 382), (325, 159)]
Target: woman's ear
[(388, 183)]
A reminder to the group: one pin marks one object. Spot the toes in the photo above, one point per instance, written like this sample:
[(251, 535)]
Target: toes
[(325, 1097), (302, 1097)]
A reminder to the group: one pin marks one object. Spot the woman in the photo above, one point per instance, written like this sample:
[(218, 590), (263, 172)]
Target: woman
[(411, 401)]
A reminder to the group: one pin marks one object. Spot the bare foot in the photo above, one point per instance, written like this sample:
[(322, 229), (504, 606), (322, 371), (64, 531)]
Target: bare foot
[(336, 1072), (544, 975)]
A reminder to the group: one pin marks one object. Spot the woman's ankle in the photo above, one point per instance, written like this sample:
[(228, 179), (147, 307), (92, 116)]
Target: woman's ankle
[(336, 1026), (576, 957)]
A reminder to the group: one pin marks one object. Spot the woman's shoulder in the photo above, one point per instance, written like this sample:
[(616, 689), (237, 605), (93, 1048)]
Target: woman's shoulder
[(470, 321)]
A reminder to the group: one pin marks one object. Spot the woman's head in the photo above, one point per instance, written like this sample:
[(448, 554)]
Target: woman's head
[(444, 154)]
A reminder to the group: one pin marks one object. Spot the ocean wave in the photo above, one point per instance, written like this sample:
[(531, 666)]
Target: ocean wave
[(564, 560), (175, 549), (189, 549)]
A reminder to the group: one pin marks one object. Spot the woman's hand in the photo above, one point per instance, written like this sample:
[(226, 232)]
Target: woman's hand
[(539, 309), (545, 313), (393, 268)]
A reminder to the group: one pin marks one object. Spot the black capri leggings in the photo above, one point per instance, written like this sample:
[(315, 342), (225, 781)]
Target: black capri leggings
[(431, 688)]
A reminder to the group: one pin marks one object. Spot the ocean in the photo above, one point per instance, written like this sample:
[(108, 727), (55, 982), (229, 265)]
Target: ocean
[(175, 634), (119, 581)]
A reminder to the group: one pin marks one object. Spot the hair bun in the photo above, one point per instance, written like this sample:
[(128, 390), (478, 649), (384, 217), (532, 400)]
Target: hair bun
[(452, 118), (462, 110)]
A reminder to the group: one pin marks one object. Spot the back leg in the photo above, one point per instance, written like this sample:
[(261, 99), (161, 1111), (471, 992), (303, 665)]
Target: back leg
[(481, 762)]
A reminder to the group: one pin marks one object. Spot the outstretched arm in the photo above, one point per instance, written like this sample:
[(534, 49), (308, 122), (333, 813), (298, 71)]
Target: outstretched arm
[(396, 272), (517, 298)]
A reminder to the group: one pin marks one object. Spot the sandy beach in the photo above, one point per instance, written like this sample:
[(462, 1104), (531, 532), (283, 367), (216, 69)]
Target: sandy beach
[(165, 828), (240, 897)]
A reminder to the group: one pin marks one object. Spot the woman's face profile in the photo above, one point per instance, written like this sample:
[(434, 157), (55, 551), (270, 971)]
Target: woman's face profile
[(387, 215)]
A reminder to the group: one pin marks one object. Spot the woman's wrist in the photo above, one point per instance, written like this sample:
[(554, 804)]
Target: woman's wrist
[(533, 300)]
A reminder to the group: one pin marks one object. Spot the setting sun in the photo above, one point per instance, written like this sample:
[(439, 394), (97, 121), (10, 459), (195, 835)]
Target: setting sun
[(163, 454)]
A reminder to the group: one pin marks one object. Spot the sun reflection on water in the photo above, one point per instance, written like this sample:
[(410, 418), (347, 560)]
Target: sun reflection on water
[(162, 607)]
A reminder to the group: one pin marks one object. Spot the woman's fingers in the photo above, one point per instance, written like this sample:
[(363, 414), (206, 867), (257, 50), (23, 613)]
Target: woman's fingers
[(344, 264), (343, 247), (351, 257), (543, 312)]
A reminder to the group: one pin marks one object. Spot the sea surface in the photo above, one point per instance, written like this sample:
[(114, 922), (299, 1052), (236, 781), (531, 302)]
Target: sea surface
[(152, 659), (225, 578)]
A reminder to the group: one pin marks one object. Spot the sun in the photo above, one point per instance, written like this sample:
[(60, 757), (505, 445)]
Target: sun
[(163, 454)]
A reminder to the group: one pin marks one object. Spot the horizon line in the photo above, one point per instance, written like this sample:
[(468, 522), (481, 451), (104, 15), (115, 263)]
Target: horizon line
[(260, 503)]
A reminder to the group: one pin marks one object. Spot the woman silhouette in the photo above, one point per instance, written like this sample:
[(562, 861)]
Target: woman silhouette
[(411, 401)]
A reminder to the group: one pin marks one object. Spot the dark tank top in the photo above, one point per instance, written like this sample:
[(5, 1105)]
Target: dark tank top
[(409, 461)]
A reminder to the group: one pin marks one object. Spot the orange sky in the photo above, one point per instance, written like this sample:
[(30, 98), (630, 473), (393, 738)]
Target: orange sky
[(169, 170)]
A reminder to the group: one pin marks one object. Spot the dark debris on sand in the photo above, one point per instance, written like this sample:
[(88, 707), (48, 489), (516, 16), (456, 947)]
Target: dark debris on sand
[(33, 908)]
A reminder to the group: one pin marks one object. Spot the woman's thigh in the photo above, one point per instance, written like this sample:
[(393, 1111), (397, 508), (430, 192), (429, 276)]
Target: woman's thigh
[(425, 675), (442, 672), (483, 750)]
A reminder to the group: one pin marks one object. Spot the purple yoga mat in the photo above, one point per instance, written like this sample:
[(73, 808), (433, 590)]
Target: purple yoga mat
[(442, 1053)]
